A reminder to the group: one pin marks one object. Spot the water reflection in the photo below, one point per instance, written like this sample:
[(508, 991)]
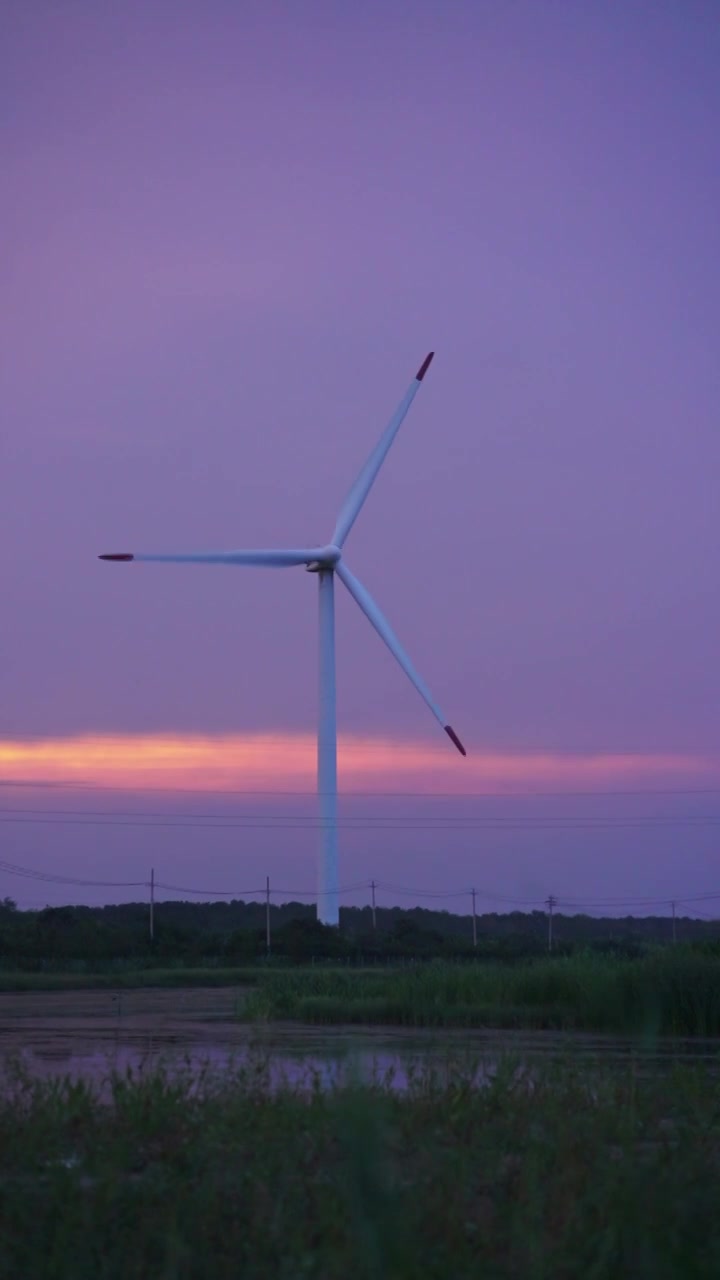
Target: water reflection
[(94, 1033)]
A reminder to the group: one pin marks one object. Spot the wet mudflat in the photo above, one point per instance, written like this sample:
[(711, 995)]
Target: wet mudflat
[(89, 1034)]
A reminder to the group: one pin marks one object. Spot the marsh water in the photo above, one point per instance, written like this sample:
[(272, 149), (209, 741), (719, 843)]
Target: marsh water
[(90, 1034)]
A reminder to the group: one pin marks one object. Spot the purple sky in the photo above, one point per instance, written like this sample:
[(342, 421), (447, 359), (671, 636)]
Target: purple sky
[(231, 233)]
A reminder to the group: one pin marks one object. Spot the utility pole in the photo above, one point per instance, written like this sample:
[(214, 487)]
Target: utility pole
[(374, 918), (550, 903), (474, 919), (267, 914), (152, 904), (674, 924)]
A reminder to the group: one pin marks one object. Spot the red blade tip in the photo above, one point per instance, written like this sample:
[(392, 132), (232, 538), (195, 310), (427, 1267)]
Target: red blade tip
[(121, 555), (424, 367), (454, 738)]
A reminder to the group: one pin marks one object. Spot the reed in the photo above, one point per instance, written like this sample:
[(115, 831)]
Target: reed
[(670, 992)]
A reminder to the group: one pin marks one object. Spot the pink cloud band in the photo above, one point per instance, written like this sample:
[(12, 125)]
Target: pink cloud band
[(286, 761)]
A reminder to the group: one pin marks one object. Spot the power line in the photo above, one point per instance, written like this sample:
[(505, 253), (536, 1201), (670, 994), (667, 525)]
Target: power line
[(280, 823), (250, 893), (73, 785), (455, 893), (180, 815), (422, 893), (317, 893), (29, 873), (636, 902), (210, 893), (47, 877), (538, 901)]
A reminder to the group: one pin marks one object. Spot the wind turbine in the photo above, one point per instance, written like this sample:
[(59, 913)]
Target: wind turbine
[(328, 563)]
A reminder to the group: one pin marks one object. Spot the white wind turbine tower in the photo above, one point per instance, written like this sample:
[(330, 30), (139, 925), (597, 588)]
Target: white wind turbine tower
[(328, 562)]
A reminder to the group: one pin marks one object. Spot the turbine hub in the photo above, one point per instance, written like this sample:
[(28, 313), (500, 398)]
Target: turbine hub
[(327, 558)]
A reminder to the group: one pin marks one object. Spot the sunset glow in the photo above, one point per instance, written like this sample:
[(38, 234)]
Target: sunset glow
[(282, 762)]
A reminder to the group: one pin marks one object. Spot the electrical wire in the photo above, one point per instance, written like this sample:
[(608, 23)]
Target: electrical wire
[(79, 785), (46, 877), (279, 823)]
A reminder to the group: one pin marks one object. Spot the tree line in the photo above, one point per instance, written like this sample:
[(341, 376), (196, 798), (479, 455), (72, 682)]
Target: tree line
[(235, 932)]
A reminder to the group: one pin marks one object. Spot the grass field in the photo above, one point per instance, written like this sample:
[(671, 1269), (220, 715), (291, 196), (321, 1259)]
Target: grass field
[(671, 992), (19, 980), (604, 1175)]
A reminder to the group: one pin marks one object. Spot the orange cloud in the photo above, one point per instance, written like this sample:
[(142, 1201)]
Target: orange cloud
[(286, 762)]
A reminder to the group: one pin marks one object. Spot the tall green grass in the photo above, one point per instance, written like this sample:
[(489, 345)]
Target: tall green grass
[(668, 992), (604, 1175)]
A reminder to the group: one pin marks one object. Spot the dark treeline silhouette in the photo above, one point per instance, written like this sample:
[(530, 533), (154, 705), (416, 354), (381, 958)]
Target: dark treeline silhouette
[(229, 933)]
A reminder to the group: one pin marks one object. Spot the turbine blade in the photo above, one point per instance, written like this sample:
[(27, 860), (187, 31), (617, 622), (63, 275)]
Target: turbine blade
[(359, 492), (363, 598), (272, 559)]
